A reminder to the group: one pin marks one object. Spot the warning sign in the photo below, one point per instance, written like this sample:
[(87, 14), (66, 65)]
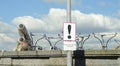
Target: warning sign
[(69, 36), (69, 31)]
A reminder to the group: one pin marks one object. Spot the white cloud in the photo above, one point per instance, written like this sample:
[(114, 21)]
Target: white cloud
[(8, 36), (52, 22), (30, 22), (5, 28)]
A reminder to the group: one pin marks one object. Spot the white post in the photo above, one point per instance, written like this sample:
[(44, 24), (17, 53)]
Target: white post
[(69, 58), (69, 53), (69, 10)]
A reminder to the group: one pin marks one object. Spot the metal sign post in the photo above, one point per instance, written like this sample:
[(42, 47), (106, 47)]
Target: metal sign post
[(69, 35), (69, 53)]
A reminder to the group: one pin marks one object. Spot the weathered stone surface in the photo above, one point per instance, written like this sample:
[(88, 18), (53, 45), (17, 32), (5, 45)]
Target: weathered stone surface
[(5, 61), (64, 53), (1, 53), (30, 62), (49, 53), (58, 58), (101, 52), (58, 61), (10, 53), (26, 53), (101, 62), (118, 60)]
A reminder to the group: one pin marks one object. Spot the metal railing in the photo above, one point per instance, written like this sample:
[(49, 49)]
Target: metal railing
[(80, 40), (48, 39), (102, 40)]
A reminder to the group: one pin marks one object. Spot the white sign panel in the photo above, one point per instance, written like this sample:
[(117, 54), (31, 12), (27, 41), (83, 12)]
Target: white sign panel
[(71, 45), (69, 36), (69, 31)]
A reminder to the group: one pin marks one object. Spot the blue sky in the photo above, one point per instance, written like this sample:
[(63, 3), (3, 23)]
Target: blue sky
[(10, 9), (45, 15)]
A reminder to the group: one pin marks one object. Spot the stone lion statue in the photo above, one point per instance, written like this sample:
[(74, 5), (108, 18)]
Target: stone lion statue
[(22, 45)]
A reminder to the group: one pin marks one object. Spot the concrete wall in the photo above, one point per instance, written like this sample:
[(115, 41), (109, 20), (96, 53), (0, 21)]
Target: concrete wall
[(58, 58)]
